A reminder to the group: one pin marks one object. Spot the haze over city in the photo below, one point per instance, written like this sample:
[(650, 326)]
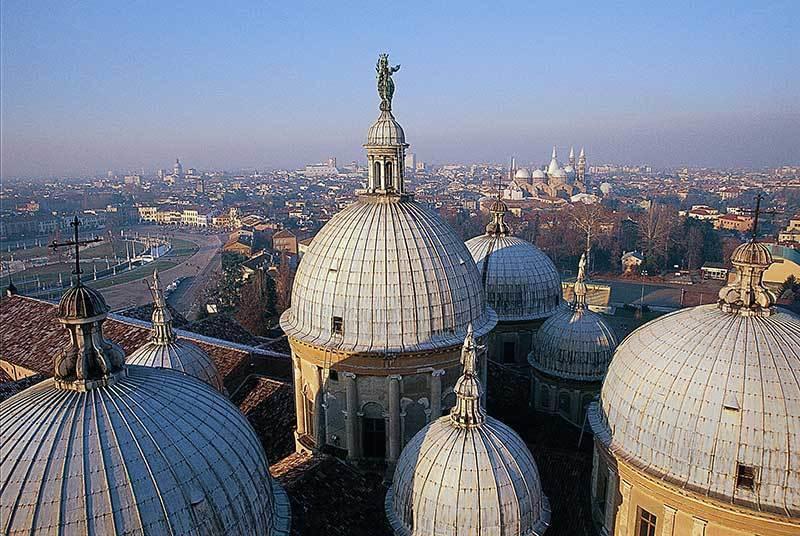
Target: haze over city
[(90, 87)]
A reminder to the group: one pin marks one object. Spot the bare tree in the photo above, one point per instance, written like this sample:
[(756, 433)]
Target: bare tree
[(586, 217), (655, 227)]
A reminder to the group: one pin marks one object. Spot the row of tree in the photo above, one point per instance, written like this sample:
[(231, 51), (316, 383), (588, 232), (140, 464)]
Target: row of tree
[(257, 301), (663, 237)]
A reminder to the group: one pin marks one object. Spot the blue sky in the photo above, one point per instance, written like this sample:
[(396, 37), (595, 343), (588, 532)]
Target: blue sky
[(96, 85)]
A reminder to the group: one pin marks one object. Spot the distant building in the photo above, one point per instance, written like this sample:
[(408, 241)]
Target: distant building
[(285, 241), (792, 231), (703, 213), (324, 169), (714, 270), (411, 161), (734, 222), (177, 169)]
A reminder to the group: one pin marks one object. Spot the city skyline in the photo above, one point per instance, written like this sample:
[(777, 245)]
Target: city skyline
[(96, 88)]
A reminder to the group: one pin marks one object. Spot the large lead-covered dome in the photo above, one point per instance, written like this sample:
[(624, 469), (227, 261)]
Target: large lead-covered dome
[(708, 398), (467, 473), (386, 275), (157, 452), (520, 281)]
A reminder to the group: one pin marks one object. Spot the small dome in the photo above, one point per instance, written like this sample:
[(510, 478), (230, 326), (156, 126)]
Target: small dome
[(569, 169), (165, 349), (752, 254), (180, 355), (393, 275), (522, 173), (494, 488), (156, 452), (538, 174), (520, 281), (498, 205), (81, 302), (574, 344), (386, 131)]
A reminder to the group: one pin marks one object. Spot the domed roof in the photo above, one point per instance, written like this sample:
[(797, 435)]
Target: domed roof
[(80, 301), (538, 174), (386, 131), (520, 281), (569, 169), (494, 488), (752, 253), (156, 452), (386, 275), (694, 396), (109, 448), (574, 343), (522, 173), (554, 168), (164, 349)]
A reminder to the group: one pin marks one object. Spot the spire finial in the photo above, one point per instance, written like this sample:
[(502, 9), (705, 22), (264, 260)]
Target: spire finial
[(468, 412), (163, 333), (756, 212), (580, 284), (555, 155)]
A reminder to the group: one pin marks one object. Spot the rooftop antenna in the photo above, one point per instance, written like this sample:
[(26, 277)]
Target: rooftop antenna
[(77, 242)]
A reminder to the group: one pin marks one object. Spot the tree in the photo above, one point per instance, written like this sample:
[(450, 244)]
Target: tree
[(284, 279), (230, 285), (655, 227), (256, 309)]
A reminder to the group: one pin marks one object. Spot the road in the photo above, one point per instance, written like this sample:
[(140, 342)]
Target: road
[(199, 267), (661, 295)]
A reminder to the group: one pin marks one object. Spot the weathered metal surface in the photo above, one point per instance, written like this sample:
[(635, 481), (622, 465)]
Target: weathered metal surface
[(395, 273), (467, 473), (156, 452)]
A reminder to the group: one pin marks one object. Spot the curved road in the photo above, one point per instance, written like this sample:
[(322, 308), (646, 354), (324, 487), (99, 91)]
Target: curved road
[(198, 267)]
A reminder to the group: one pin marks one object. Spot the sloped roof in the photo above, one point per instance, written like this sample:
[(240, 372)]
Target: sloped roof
[(32, 335)]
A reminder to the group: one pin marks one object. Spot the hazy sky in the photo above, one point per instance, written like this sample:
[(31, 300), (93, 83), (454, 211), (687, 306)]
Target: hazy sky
[(96, 85)]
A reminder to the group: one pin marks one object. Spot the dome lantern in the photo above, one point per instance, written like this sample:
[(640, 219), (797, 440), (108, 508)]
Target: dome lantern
[(746, 294), (498, 225), (90, 361)]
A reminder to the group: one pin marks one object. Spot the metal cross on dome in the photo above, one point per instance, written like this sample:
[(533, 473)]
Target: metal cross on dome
[(757, 212), (77, 242)]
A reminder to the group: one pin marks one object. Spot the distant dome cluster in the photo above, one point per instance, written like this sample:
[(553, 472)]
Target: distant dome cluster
[(554, 181)]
